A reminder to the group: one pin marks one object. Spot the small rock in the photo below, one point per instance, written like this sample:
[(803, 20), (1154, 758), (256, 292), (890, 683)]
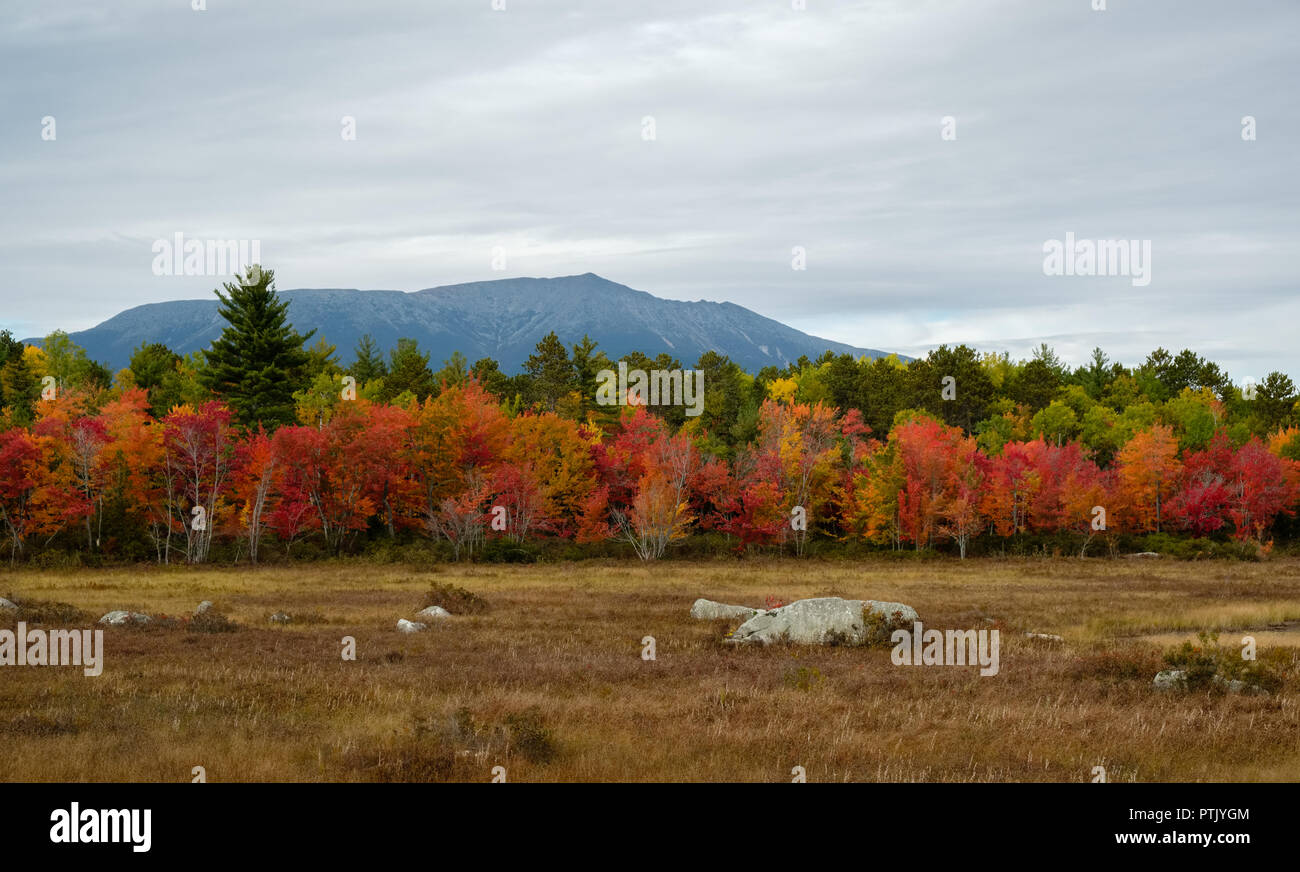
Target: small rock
[(1237, 686), (1170, 679), (1176, 679), (405, 626), (708, 610), (8, 605), (203, 607), (120, 618), (279, 618), (1141, 555), (434, 612), (1049, 637)]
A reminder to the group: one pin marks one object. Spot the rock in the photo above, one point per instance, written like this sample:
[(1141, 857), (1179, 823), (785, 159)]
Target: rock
[(203, 607), (405, 626), (433, 612), (1048, 637), (1234, 685), (120, 618), (279, 618), (1170, 679), (820, 621), (8, 605), (1141, 555), (1176, 679), (708, 610)]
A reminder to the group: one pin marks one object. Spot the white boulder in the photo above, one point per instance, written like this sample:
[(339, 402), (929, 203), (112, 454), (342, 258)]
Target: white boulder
[(405, 626), (120, 618), (822, 621), (708, 610), (433, 612)]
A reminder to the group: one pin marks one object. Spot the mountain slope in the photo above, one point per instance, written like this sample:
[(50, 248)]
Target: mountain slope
[(501, 319)]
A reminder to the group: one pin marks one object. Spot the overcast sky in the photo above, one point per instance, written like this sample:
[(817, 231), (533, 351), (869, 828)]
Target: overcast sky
[(774, 127)]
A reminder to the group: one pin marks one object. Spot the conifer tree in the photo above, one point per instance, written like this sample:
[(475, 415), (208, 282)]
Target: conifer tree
[(256, 362)]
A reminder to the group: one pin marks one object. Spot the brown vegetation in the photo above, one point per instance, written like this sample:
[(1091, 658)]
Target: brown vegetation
[(550, 682)]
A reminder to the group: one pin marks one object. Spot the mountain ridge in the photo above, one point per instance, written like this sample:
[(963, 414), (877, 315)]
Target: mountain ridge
[(502, 319)]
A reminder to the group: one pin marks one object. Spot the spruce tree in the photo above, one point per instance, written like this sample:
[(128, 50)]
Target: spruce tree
[(408, 370), (369, 364), (550, 371), (259, 357)]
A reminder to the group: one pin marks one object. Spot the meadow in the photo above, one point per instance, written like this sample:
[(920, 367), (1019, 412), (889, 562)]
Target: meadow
[(549, 681)]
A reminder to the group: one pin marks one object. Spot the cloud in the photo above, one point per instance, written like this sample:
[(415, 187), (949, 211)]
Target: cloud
[(774, 128)]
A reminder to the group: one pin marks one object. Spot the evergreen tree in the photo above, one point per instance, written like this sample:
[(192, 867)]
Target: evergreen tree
[(20, 387), (321, 359), (408, 370), (369, 363), (488, 373), (454, 372), (151, 364), (256, 362), (550, 371)]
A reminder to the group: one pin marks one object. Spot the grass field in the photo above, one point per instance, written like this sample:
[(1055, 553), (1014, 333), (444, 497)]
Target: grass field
[(550, 683)]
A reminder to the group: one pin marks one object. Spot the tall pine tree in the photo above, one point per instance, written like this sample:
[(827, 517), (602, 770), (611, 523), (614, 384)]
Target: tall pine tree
[(259, 357)]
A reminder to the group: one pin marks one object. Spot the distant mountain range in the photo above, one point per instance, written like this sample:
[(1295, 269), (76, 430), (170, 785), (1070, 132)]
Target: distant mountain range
[(501, 319)]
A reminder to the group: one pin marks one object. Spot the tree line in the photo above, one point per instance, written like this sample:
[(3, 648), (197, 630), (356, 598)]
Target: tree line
[(264, 438)]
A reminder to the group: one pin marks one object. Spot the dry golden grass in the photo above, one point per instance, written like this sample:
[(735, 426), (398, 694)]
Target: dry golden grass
[(550, 682)]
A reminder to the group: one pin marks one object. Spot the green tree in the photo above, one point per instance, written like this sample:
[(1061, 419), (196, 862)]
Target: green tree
[(488, 374), (1275, 402), (454, 372), (20, 388), (550, 372), (321, 359), (259, 357), (408, 370), (67, 361), (151, 364), (1035, 384), (971, 389), (368, 364)]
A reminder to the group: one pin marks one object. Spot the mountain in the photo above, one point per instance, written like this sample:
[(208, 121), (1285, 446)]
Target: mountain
[(501, 319)]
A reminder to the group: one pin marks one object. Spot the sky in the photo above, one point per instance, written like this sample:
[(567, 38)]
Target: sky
[(919, 154)]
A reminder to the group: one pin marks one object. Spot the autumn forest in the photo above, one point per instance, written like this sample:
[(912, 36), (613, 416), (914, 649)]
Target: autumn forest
[(267, 446)]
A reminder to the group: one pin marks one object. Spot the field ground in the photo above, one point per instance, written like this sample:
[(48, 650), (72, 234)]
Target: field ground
[(550, 683)]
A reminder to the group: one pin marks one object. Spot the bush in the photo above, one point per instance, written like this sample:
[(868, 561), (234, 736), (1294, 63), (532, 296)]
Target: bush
[(879, 628), (530, 737), (454, 599), (508, 551), (211, 621), (1117, 664), (1203, 662), (34, 611)]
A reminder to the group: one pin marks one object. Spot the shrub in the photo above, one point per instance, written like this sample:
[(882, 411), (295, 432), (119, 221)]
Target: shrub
[(34, 611), (454, 599), (211, 621), (1203, 662), (530, 736), (879, 627), (1116, 664), (804, 678)]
